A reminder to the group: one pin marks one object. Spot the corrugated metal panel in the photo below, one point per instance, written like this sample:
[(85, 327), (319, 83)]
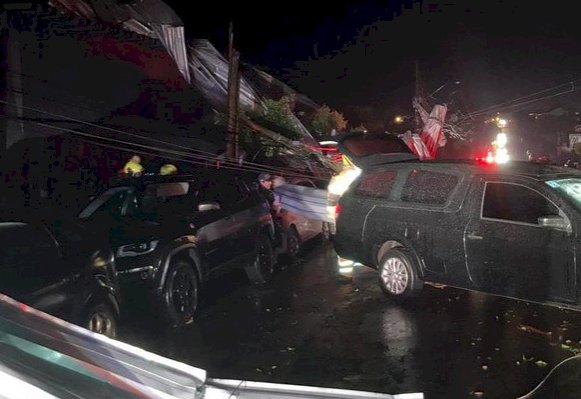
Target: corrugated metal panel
[(173, 39), (210, 71)]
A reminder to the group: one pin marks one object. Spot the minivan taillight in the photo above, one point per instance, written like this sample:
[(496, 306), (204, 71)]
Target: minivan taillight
[(338, 209)]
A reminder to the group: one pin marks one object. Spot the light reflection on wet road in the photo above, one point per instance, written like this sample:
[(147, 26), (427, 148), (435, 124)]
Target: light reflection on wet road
[(307, 328)]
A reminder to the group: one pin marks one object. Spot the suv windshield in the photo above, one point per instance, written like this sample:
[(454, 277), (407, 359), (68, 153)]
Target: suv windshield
[(151, 203), (110, 203), (571, 188)]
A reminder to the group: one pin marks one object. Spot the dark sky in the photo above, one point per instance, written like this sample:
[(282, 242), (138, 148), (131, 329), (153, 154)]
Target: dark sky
[(359, 57)]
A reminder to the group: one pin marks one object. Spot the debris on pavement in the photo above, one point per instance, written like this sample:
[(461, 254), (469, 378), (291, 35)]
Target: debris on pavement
[(534, 330)]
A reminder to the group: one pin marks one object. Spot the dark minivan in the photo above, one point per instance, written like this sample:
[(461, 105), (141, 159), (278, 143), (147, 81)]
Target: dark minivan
[(509, 229)]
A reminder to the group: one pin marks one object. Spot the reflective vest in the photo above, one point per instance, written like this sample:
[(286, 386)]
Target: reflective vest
[(346, 161), (132, 168)]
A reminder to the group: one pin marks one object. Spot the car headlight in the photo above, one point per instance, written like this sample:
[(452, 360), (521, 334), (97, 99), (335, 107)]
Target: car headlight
[(138, 249), (341, 182)]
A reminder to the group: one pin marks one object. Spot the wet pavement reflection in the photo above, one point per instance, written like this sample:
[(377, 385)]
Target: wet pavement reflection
[(307, 327)]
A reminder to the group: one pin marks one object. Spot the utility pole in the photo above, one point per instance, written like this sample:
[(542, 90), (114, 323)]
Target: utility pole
[(233, 96), (417, 119)]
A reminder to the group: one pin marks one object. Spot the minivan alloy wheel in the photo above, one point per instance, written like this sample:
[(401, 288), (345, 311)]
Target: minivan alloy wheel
[(395, 276)]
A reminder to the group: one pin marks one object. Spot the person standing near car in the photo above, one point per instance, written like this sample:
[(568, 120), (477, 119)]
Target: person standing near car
[(266, 189)]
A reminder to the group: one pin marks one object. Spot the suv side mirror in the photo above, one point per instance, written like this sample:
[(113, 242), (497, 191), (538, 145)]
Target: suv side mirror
[(208, 206), (553, 222)]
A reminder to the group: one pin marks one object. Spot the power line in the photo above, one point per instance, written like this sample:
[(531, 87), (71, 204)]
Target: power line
[(196, 159), (226, 140), (200, 153), (181, 159), (509, 104), (286, 146)]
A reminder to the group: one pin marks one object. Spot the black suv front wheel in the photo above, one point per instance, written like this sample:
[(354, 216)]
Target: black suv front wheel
[(398, 276), (180, 293), (100, 319)]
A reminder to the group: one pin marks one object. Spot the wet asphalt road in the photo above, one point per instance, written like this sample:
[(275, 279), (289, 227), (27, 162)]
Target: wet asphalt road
[(308, 328)]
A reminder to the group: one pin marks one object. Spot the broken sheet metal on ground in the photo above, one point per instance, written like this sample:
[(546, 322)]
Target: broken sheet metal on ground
[(308, 202), (71, 361)]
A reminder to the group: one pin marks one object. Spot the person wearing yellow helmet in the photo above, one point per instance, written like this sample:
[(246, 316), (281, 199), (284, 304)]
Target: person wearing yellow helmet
[(168, 169), (133, 167)]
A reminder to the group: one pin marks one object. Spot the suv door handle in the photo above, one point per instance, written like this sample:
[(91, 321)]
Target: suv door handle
[(474, 237)]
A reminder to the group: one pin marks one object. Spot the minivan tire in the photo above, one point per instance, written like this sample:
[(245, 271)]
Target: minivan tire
[(100, 319), (398, 275), (262, 268), (180, 294)]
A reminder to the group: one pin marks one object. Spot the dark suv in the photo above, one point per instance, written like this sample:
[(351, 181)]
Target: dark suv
[(61, 269), (172, 233), (507, 229)]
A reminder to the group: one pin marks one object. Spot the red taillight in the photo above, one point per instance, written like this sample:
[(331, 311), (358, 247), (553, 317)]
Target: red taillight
[(338, 209)]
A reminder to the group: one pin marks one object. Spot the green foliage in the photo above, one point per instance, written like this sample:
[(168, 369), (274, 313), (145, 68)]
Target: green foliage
[(278, 116), (327, 119)]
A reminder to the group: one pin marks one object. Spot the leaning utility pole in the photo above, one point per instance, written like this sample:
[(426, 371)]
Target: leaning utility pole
[(417, 118), (233, 96)]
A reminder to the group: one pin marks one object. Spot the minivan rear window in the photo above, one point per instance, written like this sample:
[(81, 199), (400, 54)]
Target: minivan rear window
[(428, 187), (376, 185)]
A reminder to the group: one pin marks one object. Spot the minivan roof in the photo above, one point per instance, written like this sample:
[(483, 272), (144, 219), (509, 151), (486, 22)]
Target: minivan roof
[(371, 149)]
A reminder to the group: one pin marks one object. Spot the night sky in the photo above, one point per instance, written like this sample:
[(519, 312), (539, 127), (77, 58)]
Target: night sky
[(359, 57)]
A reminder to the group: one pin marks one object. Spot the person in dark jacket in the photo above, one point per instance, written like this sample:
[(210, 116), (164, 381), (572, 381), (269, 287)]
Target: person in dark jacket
[(265, 188), (265, 181)]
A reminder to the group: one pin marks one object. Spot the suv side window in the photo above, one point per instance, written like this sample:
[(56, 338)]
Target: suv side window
[(515, 203), (376, 185), (428, 187)]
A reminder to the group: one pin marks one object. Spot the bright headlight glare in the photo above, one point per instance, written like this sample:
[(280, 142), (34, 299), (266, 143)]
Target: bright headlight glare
[(344, 262), (341, 182)]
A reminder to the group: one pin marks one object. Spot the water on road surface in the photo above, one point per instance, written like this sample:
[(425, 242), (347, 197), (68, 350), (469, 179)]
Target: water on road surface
[(307, 327)]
